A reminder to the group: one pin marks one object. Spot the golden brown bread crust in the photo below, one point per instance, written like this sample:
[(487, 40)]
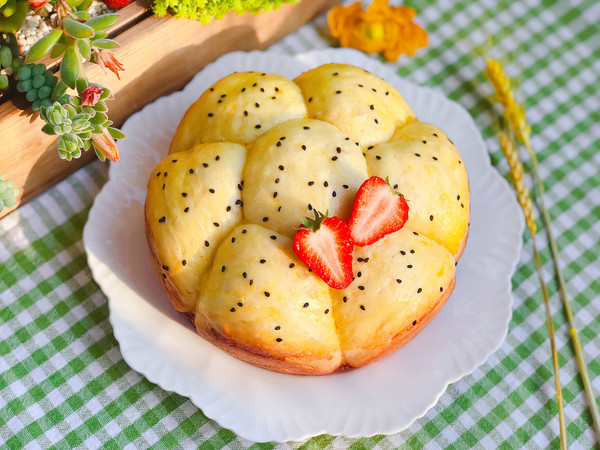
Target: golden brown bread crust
[(167, 284), (290, 363), (410, 331)]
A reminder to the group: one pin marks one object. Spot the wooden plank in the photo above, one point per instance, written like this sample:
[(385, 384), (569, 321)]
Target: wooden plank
[(160, 56)]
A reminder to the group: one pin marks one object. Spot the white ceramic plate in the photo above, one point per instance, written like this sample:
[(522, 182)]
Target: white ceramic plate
[(384, 397)]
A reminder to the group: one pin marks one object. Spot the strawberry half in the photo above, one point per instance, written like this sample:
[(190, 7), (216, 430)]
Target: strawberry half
[(325, 246), (378, 211)]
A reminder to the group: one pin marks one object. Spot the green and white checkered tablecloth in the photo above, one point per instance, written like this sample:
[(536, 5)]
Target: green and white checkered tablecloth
[(64, 382)]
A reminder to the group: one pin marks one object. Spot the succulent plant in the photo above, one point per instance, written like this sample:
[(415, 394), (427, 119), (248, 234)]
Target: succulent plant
[(9, 58), (8, 194), (12, 14), (73, 128), (40, 86)]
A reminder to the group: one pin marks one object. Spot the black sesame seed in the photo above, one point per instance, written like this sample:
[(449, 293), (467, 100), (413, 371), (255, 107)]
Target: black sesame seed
[(395, 186), (434, 158), (418, 155), (338, 92), (362, 288), (251, 282), (306, 128), (184, 262), (240, 186), (254, 85), (335, 74), (424, 141), (232, 310), (327, 311), (262, 89), (372, 107), (238, 202), (359, 259), (276, 89), (257, 126), (292, 265), (374, 90), (205, 164), (310, 100), (165, 268), (325, 184), (240, 304), (441, 289), (431, 218), (163, 186), (376, 121), (412, 251), (419, 290), (184, 194), (265, 219), (211, 190), (243, 89), (377, 157), (462, 206), (219, 101), (370, 147), (212, 89), (345, 299), (262, 261), (206, 243), (223, 268), (278, 144), (362, 307), (359, 274), (333, 194), (191, 170), (267, 294), (279, 209), (244, 231), (459, 161), (398, 280), (273, 237), (210, 114), (278, 327), (345, 186), (274, 194), (273, 98), (228, 208), (402, 252), (339, 150), (246, 113), (166, 174), (409, 266), (164, 276), (305, 305), (279, 339), (158, 174), (187, 208), (360, 85), (281, 167), (232, 240), (310, 183), (304, 147), (414, 322), (257, 105), (334, 158), (387, 92), (366, 260), (162, 219), (458, 197), (309, 207)]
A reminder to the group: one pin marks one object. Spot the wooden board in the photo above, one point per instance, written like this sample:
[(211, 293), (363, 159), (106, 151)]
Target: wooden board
[(160, 56)]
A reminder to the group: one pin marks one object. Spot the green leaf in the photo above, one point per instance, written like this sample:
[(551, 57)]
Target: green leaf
[(10, 8), (98, 119), (103, 22), (99, 35), (24, 73), (13, 23), (76, 29), (3, 82), (73, 3), (101, 107), (42, 47), (84, 48), (48, 129), (69, 67), (59, 90), (83, 15), (58, 50), (116, 133), (5, 57), (107, 44), (82, 85)]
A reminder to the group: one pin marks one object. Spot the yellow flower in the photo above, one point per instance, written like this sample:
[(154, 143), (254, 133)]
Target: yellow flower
[(380, 29)]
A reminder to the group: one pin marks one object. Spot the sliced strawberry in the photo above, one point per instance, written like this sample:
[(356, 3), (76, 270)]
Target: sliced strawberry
[(325, 246), (378, 211)]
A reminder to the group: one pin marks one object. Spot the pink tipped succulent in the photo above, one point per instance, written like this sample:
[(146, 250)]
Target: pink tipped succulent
[(91, 95), (106, 145), (107, 60)]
